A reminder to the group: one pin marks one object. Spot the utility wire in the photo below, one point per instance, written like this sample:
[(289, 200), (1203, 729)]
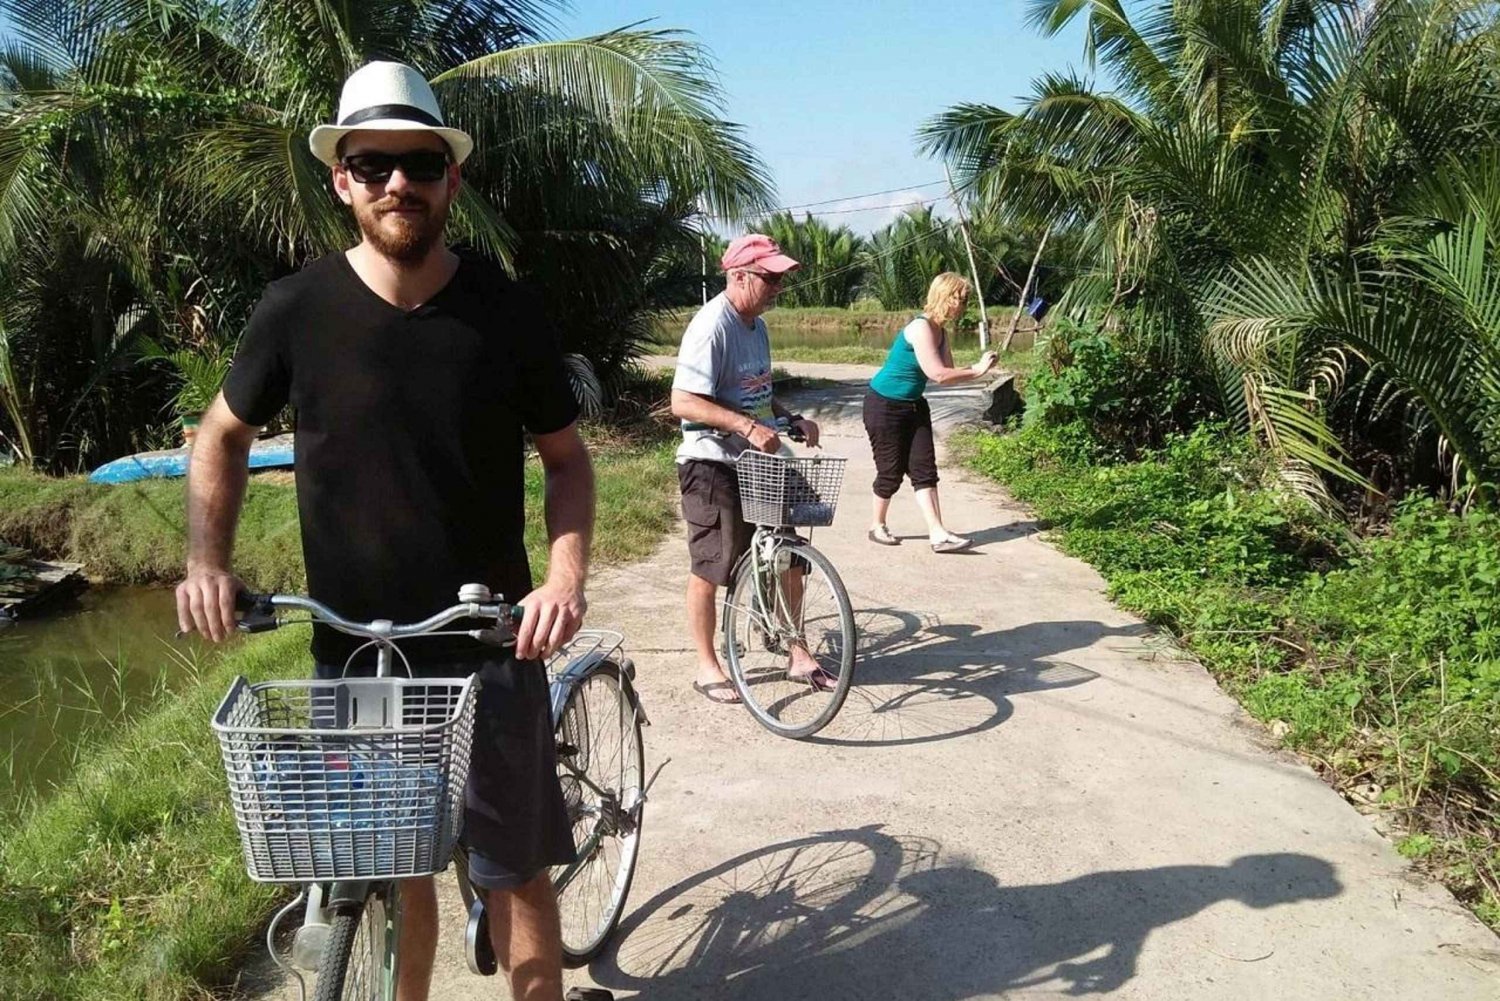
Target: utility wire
[(865, 261), (918, 204), (845, 198)]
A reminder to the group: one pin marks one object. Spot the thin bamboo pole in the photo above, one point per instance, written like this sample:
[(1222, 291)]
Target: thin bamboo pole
[(963, 228)]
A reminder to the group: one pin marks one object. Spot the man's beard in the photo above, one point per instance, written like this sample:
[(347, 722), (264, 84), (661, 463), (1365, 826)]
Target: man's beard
[(402, 238)]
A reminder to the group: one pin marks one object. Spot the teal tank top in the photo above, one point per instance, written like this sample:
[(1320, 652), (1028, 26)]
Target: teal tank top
[(901, 377)]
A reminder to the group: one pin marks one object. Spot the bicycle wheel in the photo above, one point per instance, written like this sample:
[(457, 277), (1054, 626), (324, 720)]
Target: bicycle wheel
[(763, 624), (359, 959), (601, 764)]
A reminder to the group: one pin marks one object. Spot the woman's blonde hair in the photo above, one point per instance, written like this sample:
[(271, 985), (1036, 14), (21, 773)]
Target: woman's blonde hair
[(946, 297)]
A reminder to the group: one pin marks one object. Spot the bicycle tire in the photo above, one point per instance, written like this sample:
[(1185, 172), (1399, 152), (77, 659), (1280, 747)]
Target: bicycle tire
[(602, 765), (761, 681), (347, 972)]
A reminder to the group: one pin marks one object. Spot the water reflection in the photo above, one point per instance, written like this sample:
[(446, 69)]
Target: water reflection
[(68, 677)]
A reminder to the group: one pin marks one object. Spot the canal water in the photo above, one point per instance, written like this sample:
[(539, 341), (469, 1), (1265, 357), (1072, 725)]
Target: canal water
[(71, 676)]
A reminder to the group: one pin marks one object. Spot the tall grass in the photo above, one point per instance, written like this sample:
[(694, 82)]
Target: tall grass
[(135, 533), (129, 882)]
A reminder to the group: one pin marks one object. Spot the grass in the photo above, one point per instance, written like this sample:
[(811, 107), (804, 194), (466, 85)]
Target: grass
[(1377, 659), (128, 883), (837, 336), (134, 533)]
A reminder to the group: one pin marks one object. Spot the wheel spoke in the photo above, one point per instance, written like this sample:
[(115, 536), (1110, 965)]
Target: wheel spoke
[(608, 775), (767, 621)]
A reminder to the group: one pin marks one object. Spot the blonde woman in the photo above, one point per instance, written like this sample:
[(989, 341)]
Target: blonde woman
[(897, 417)]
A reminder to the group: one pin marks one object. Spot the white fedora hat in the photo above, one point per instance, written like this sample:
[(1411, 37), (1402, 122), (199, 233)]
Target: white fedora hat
[(386, 97)]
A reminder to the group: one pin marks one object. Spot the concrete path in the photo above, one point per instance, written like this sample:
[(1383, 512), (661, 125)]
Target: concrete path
[(1028, 794)]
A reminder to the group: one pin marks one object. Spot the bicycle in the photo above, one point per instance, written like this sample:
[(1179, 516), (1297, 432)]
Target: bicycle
[(784, 593), (349, 786)]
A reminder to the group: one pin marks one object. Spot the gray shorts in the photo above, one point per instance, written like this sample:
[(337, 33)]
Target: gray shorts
[(515, 820)]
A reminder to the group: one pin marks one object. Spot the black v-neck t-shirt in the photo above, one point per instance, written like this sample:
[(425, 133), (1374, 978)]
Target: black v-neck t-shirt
[(409, 450)]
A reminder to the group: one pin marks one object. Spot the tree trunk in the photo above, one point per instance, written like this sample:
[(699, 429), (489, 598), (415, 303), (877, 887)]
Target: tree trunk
[(1015, 319)]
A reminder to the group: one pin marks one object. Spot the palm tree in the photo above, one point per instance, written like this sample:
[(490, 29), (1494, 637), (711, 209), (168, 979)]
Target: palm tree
[(158, 133), (902, 258), (1249, 145), (831, 270)]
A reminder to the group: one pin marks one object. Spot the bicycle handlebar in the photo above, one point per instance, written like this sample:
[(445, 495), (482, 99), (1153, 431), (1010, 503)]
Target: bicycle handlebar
[(781, 426), (259, 614)]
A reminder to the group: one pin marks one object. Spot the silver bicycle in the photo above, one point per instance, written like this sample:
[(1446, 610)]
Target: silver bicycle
[(349, 786), (784, 596)]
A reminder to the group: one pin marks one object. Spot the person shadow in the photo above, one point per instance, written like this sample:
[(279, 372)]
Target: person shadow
[(864, 914), (917, 682)]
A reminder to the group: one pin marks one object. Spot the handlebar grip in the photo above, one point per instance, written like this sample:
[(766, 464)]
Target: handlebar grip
[(256, 613), (249, 601)]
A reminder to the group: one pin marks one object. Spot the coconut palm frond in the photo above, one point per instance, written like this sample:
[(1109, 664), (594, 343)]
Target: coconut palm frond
[(649, 93), (584, 381)]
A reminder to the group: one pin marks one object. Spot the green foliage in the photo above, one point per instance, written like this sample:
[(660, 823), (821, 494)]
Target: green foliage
[(134, 533), (129, 883), (902, 259), (1298, 201), (154, 175), (831, 270), (1121, 388), (15, 573), (1379, 657)]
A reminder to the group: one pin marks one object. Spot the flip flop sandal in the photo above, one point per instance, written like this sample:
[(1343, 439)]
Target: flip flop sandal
[(882, 538), (952, 545), (819, 679), (717, 686)]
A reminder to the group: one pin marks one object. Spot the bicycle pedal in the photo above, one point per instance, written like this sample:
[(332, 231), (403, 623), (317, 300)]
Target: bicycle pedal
[(478, 949), (588, 994)]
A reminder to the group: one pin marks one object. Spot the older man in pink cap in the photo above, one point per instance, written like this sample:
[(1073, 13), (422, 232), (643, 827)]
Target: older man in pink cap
[(722, 394)]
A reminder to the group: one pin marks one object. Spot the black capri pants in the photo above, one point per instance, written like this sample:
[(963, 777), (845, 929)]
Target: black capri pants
[(901, 439)]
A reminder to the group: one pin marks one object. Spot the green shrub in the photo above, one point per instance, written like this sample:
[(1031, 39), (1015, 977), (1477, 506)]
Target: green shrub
[(1379, 657), (1125, 392)]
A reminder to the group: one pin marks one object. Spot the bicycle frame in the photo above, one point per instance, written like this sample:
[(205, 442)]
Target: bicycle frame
[(603, 645), (584, 653), (764, 545)]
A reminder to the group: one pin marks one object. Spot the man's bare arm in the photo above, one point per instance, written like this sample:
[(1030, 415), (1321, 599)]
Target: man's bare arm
[(554, 611), (217, 475), (702, 410)]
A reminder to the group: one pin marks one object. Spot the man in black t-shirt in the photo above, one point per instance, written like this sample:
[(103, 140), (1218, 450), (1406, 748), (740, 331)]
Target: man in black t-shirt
[(414, 372)]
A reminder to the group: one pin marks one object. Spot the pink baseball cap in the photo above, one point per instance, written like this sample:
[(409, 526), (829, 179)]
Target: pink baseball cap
[(756, 250)]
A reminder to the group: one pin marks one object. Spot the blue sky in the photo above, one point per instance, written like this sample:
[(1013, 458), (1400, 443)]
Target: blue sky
[(831, 93)]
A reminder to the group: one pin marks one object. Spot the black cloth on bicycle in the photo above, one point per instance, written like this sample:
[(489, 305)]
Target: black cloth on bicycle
[(901, 439), (515, 820), (409, 446)]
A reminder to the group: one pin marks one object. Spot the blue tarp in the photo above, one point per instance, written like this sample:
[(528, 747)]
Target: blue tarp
[(270, 453)]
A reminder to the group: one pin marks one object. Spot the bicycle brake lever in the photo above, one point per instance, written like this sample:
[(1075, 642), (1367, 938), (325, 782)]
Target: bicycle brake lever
[(494, 637)]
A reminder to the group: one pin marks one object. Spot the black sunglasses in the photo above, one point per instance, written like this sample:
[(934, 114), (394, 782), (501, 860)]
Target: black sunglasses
[(421, 166)]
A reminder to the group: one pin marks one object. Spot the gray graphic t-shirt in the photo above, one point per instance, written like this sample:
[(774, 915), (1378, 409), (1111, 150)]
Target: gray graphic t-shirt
[(724, 357)]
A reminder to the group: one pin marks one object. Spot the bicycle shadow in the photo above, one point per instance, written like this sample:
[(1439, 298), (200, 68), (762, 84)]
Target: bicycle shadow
[(917, 683), (865, 914)]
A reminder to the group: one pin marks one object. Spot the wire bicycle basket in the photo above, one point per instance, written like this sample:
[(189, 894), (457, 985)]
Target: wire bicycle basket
[(349, 779), (787, 491)]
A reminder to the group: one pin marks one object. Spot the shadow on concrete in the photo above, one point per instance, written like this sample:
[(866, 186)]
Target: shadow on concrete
[(981, 537), (865, 914), (1005, 533), (916, 683)]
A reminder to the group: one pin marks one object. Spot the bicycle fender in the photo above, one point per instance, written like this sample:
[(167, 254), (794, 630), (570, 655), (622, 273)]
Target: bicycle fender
[(347, 894)]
